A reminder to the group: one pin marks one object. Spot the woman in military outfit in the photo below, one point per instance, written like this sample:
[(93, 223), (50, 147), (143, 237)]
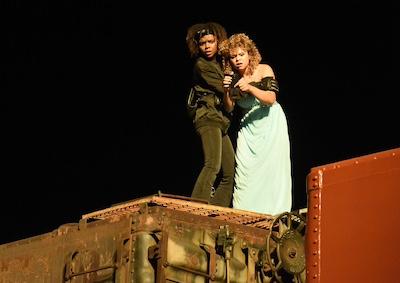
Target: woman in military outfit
[(210, 121)]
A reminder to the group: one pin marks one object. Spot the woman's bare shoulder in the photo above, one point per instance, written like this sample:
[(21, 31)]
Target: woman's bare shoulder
[(264, 70)]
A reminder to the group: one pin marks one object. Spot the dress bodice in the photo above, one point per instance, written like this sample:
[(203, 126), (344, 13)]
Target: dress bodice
[(249, 101)]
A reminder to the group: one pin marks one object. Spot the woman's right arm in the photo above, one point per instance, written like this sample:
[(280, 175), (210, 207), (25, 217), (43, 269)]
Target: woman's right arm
[(229, 103)]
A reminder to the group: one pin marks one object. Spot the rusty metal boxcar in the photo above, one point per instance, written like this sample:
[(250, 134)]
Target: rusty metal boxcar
[(162, 239), (347, 233)]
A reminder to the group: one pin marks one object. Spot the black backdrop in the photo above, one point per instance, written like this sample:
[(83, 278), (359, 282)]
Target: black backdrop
[(93, 98)]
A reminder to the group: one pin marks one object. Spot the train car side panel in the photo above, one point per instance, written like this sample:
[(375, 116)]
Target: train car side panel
[(353, 210)]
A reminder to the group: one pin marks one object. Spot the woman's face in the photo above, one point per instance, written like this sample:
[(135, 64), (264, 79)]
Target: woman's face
[(208, 46), (239, 58)]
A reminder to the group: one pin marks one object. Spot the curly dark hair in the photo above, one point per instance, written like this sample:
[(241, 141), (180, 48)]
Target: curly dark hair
[(243, 41), (193, 33)]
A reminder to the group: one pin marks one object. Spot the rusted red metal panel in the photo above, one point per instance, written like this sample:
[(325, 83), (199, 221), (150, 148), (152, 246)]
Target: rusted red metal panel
[(352, 230)]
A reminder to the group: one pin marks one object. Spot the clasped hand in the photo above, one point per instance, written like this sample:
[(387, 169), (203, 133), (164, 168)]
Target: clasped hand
[(242, 83), (236, 89)]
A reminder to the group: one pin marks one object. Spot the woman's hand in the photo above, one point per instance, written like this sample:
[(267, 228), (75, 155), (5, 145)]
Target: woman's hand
[(243, 85), (227, 82)]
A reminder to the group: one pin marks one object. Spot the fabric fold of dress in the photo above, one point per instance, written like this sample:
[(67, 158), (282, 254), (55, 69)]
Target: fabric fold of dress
[(263, 179)]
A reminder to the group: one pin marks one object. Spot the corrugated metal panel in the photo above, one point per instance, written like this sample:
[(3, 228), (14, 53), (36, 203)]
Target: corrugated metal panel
[(230, 215)]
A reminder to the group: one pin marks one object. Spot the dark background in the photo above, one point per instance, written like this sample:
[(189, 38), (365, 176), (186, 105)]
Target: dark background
[(93, 98)]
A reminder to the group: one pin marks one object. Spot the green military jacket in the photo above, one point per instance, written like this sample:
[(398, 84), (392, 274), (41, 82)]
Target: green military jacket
[(207, 79)]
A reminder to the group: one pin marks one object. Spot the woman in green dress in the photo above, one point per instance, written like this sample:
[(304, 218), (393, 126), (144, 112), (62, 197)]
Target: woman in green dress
[(263, 181)]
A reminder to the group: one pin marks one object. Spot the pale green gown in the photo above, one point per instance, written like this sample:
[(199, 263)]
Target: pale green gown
[(263, 181)]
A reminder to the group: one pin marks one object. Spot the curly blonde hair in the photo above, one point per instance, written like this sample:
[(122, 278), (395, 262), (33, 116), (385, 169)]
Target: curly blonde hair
[(243, 41), (192, 35)]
